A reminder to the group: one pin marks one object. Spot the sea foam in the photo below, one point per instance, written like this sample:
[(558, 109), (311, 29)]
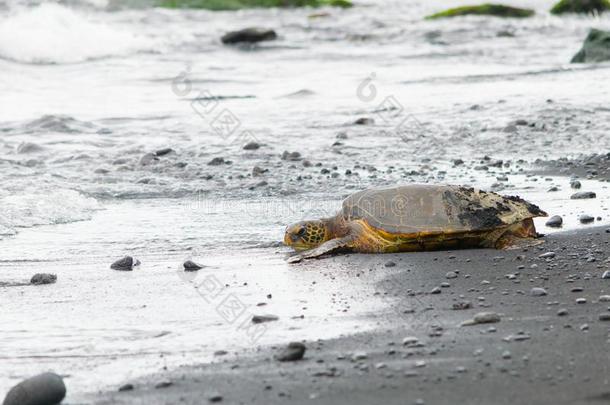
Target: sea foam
[(54, 34)]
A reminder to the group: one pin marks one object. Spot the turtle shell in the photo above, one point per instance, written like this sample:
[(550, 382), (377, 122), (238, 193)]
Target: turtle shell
[(433, 208)]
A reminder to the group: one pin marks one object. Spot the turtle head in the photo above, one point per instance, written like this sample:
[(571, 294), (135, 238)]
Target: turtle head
[(307, 235)]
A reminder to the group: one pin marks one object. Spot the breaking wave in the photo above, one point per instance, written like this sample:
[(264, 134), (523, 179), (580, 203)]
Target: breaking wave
[(54, 34)]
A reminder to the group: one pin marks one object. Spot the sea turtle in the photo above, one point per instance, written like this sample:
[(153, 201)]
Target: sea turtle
[(415, 218)]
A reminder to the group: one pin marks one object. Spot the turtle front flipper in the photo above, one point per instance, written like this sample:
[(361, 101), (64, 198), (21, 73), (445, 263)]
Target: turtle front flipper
[(327, 247)]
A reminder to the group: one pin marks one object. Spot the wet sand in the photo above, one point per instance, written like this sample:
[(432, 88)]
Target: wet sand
[(546, 349)]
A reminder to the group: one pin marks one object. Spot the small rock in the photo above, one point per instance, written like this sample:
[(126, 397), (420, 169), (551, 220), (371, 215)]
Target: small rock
[(292, 156), (483, 317), (581, 195), (217, 161), (293, 352), (436, 290), (43, 278), (538, 292), (410, 341), (190, 265), (252, 146), (359, 356), (364, 121), (575, 184), (163, 152), (451, 274), (125, 264), (604, 298), (562, 312), (606, 275), (164, 384), (249, 35), (390, 264), (126, 387), (586, 219), (43, 389), (547, 255), (554, 222), (604, 317), (264, 318), (462, 305), (215, 398), (581, 300)]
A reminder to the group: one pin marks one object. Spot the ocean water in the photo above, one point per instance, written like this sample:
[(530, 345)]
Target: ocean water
[(89, 89)]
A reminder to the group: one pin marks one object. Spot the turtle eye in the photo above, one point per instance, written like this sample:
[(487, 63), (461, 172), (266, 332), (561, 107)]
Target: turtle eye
[(302, 231)]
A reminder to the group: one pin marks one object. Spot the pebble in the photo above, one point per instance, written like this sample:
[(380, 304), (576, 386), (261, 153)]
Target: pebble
[(483, 317), (293, 352), (163, 152), (581, 300), (390, 264), (506, 355), (554, 222), (586, 219), (547, 255), (606, 275), (249, 35), (164, 384), (252, 146), (604, 317), (191, 266), (264, 318), (43, 389), (217, 161), (126, 387), (215, 398), (462, 305), (410, 341), (451, 274), (562, 312), (538, 292), (581, 195), (43, 278), (436, 290), (364, 121), (575, 184), (604, 298), (125, 264), (358, 356)]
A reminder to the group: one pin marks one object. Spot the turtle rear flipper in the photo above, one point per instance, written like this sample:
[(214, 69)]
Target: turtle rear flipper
[(519, 236)]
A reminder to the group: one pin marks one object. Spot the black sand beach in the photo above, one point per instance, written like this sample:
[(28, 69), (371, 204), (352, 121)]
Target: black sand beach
[(551, 345)]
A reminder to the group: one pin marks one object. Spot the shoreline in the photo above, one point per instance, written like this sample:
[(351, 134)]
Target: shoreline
[(516, 360)]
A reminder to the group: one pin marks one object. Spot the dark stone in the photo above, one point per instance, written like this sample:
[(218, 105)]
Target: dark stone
[(163, 152), (292, 156), (43, 278), (554, 222), (126, 387), (252, 146), (364, 121), (575, 184), (390, 264), (249, 35), (586, 219), (458, 306), (581, 195), (293, 352), (125, 264), (596, 48), (215, 398), (190, 265), (264, 318), (163, 384), (217, 161), (43, 389)]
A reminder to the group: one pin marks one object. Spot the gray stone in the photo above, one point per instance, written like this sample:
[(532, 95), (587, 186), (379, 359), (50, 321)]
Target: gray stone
[(586, 219), (125, 264), (264, 318), (554, 222), (249, 35), (581, 195), (596, 48), (43, 389), (190, 265), (43, 278), (293, 352), (538, 292)]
